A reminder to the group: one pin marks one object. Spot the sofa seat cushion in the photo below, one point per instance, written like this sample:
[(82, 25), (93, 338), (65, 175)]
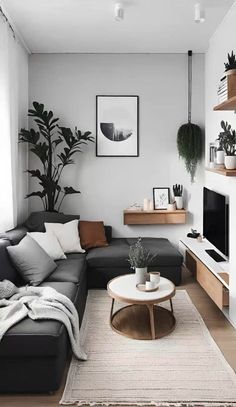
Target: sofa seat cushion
[(70, 270), (37, 338), (167, 254), (114, 255)]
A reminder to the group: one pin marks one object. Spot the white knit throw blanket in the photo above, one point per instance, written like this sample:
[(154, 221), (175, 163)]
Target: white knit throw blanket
[(40, 303)]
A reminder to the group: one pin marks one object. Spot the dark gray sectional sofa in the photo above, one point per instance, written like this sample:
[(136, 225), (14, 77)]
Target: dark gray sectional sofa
[(33, 353)]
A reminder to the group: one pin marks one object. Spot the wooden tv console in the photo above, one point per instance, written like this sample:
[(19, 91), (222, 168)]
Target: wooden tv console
[(212, 276)]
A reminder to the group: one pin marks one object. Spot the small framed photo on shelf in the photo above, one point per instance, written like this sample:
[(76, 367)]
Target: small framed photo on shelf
[(161, 197)]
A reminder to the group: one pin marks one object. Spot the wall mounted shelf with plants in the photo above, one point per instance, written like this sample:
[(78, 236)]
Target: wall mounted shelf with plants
[(229, 104), (156, 217), (223, 171)]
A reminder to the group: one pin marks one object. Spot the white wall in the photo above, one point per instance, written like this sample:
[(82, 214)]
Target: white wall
[(221, 43), (68, 84), (21, 186)]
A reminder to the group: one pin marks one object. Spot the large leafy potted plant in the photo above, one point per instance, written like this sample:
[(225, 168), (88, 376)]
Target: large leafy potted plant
[(55, 147), (227, 138)]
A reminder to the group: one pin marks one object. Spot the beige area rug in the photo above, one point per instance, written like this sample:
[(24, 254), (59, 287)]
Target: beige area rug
[(184, 368)]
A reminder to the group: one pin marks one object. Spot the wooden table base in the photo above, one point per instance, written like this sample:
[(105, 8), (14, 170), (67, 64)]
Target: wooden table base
[(142, 321)]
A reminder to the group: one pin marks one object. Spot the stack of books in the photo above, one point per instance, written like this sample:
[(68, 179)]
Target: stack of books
[(223, 90)]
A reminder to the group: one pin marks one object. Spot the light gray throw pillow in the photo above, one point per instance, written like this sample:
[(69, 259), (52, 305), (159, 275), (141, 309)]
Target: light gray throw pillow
[(32, 262)]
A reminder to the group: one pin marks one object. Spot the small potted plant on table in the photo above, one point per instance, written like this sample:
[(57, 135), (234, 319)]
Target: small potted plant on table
[(178, 195), (140, 258)]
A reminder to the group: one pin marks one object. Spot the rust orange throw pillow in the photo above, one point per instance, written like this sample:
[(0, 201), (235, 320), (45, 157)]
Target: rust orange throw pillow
[(92, 234)]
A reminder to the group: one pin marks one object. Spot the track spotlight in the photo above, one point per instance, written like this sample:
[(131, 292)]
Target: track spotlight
[(199, 13), (119, 12)]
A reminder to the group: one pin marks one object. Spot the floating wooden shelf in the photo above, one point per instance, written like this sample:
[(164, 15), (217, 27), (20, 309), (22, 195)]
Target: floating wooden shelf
[(229, 104), (154, 217), (223, 171)]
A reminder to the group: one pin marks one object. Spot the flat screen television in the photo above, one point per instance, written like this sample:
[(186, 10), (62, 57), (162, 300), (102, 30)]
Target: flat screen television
[(216, 220)]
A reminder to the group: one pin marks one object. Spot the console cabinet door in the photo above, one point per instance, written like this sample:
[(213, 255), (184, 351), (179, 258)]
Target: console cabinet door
[(214, 288)]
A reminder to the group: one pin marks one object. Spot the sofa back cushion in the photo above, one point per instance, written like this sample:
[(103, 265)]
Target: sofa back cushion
[(15, 235), (92, 234), (108, 233), (35, 222), (32, 262), (7, 271)]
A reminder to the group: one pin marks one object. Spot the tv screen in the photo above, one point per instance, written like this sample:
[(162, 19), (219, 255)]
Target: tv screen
[(215, 220)]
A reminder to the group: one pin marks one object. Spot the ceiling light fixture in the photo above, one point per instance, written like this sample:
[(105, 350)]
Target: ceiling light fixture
[(199, 13), (119, 12)]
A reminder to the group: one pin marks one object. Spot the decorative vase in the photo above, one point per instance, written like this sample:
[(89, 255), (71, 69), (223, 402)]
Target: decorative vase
[(230, 162), (220, 157), (179, 202), (146, 203), (141, 275), (151, 206)]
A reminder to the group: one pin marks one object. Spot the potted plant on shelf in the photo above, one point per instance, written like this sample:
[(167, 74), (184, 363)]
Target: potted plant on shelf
[(178, 195), (55, 147), (230, 66), (139, 259), (228, 140)]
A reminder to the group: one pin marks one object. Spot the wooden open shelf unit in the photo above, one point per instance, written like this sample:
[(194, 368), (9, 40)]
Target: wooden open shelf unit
[(154, 217), (223, 171)]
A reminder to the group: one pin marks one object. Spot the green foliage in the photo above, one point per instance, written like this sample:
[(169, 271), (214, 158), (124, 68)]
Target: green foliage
[(227, 139), (44, 143), (177, 190), (139, 256), (189, 143), (231, 64)]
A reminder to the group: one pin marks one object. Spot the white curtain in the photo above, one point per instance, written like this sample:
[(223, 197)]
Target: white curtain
[(9, 125)]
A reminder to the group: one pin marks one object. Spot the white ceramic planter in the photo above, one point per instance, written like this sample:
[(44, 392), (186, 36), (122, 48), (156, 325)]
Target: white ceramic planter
[(141, 275), (230, 162), (179, 202), (220, 157)]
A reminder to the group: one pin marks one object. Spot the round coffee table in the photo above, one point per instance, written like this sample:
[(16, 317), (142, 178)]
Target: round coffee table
[(142, 318)]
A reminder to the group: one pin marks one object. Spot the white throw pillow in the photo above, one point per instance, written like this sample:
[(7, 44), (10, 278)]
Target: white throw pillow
[(67, 235), (49, 243)]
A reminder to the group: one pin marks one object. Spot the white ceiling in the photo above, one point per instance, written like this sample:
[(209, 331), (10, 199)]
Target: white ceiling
[(62, 26)]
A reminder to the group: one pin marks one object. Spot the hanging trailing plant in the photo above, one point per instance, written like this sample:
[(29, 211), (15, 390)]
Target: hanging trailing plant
[(55, 147), (189, 137), (189, 144)]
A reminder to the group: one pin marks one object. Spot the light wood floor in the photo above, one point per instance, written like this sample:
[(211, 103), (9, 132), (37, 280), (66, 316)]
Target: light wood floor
[(221, 330)]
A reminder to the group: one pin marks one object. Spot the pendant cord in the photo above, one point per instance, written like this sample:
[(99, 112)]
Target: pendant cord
[(189, 86)]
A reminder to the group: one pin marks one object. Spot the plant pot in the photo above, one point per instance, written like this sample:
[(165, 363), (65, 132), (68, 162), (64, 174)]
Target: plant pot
[(230, 72), (230, 162), (141, 275), (179, 202), (220, 157)]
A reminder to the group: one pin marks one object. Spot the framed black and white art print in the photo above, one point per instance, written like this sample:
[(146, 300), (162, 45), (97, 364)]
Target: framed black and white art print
[(161, 197), (117, 132)]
